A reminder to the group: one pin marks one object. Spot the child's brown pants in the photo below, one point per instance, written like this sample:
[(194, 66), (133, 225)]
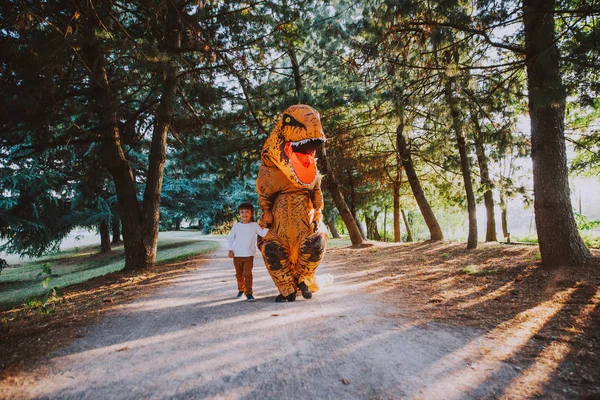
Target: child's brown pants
[(243, 273)]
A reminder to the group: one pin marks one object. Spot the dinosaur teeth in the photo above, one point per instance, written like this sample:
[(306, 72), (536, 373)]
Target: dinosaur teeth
[(301, 142), (316, 142)]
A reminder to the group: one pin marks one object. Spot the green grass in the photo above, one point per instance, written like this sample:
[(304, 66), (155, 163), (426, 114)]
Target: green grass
[(26, 281), (337, 243), (524, 239), (590, 238)]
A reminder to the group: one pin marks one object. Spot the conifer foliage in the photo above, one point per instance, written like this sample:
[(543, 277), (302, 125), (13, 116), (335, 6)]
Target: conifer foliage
[(142, 115)]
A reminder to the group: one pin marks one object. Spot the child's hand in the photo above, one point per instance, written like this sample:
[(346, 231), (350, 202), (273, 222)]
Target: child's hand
[(230, 254)]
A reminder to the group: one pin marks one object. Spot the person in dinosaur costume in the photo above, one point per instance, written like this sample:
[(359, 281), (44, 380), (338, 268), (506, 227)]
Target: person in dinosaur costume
[(290, 197)]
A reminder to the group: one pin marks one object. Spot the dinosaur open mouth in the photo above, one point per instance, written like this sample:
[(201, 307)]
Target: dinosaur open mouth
[(302, 158), (306, 146)]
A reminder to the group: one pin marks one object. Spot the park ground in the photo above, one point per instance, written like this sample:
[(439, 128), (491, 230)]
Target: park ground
[(413, 320)]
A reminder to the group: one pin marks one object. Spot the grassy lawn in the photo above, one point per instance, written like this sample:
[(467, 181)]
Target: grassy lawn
[(590, 238), (344, 241), (31, 279)]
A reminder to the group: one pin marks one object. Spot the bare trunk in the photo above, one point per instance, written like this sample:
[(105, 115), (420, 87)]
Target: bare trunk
[(409, 237), (338, 199), (104, 237), (116, 230), (435, 232), (331, 225), (385, 224), (504, 218), (298, 85), (559, 240), (151, 210), (471, 205), (371, 222), (361, 227), (330, 181), (112, 154), (486, 182), (464, 163), (353, 209), (375, 229), (397, 232)]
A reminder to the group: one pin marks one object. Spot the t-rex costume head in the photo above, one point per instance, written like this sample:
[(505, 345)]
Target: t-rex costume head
[(292, 144), (289, 194)]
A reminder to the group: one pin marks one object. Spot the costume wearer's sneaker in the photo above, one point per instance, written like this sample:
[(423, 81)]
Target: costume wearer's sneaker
[(291, 297), (306, 293), (251, 298), (280, 299), (240, 294)]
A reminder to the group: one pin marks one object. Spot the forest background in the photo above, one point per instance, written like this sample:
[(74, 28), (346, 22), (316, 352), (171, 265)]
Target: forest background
[(129, 117)]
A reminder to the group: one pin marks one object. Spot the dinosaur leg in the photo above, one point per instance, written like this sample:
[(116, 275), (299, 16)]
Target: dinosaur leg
[(311, 254), (276, 258)]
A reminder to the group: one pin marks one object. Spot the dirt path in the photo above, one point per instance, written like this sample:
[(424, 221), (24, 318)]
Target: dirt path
[(193, 339)]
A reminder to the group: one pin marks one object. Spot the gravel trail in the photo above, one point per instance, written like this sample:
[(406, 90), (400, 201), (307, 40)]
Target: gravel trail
[(194, 339)]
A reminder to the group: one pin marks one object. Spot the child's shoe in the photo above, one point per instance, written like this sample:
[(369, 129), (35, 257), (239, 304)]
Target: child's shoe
[(240, 294), (251, 298)]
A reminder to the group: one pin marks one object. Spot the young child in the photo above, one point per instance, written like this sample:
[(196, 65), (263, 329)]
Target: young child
[(242, 247)]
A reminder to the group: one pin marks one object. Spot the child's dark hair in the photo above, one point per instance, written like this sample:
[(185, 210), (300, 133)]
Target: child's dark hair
[(246, 206)]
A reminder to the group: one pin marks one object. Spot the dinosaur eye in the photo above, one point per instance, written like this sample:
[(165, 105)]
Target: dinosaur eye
[(288, 120)]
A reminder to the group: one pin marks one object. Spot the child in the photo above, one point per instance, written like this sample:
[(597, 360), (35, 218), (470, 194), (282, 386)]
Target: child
[(242, 247)]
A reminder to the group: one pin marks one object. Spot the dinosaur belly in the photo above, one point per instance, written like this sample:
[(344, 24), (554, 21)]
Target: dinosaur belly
[(292, 215)]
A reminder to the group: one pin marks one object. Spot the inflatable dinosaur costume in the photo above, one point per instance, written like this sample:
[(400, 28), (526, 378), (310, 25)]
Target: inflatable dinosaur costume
[(289, 194)]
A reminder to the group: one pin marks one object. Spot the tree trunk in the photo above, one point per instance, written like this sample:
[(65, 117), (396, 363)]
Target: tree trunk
[(353, 209), (559, 240), (112, 154), (385, 224), (464, 163), (298, 85), (486, 182), (369, 224), (471, 205), (116, 230), (151, 210), (375, 229), (361, 227), (330, 181), (504, 218), (140, 226), (177, 224), (338, 199), (397, 232), (409, 237), (331, 225), (435, 232), (104, 237)]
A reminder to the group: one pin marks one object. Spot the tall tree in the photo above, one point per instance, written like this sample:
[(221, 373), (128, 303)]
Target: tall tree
[(559, 239), (486, 182), (435, 232), (461, 144)]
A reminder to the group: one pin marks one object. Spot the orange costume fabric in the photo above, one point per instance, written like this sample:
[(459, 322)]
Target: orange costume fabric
[(289, 195)]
